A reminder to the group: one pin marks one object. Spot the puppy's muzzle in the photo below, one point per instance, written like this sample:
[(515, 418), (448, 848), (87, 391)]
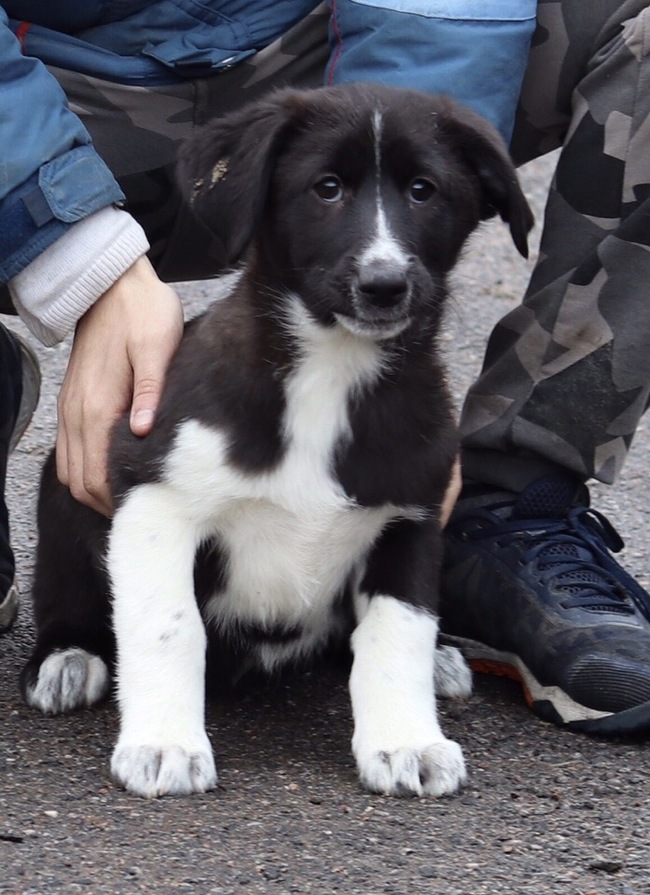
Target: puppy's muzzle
[(382, 287), (380, 298)]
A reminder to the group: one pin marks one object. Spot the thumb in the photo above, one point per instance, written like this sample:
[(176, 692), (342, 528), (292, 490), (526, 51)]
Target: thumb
[(150, 365), (147, 388), (150, 349)]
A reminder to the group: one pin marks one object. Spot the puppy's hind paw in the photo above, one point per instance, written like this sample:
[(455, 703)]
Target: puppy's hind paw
[(66, 680), (153, 771), (434, 770), (452, 676)]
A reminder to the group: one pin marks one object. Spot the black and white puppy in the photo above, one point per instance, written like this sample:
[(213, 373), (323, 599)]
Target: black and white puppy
[(289, 494)]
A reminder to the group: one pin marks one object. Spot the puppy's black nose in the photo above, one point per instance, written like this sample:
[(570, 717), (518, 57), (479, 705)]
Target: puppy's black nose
[(382, 285)]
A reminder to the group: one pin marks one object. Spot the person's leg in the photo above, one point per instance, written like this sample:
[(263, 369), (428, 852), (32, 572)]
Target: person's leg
[(19, 389), (530, 588), (566, 375), (138, 131)]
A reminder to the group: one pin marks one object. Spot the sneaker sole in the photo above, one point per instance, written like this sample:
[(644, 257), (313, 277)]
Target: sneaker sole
[(551, 703), (31, 390), (9, 609)]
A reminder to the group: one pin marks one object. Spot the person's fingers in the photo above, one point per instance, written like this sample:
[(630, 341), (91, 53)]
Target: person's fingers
[(118, 361), (451, 495), (83, 433), (149, 368), (61, 452), (150, 349)]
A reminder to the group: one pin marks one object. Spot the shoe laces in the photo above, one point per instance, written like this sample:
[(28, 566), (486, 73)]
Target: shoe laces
[(571, 555)]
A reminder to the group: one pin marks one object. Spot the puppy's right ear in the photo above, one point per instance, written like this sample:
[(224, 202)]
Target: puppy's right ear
[(224, 169)]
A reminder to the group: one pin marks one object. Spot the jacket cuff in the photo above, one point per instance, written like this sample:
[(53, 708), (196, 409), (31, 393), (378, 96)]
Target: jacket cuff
[(53, 292), (42, 209)]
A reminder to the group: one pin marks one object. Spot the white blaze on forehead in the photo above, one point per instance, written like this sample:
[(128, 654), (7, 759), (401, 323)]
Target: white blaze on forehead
[(382, 246), (377, 130)]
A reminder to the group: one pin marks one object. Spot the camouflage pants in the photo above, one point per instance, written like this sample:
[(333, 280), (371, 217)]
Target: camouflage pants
[(567, 374)]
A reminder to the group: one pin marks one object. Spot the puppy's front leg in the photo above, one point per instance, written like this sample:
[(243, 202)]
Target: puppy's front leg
[(398, 744), (162, 748)]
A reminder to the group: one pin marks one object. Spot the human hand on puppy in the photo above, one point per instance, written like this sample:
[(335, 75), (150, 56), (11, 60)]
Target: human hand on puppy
[(451, 495), (121, 350)]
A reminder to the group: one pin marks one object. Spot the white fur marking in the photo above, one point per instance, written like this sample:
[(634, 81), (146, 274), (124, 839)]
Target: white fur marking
[(452, 676), (383, 246), (162, 747), (397, 742), (291, 535), (68, 679), (291, 538), (377, 130), (373, 330)]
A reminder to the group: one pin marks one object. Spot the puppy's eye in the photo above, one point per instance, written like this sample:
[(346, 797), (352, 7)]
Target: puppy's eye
[(330, 189), (421, 190)]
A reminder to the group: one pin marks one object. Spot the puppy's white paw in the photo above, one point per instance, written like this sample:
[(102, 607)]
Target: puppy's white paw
[(152, 771), (68, 679), (452, 676), (434, 770)]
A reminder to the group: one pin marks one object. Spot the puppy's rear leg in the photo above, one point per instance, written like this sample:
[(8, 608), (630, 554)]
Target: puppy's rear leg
[(162, 747), (452, 675), (70, 665)]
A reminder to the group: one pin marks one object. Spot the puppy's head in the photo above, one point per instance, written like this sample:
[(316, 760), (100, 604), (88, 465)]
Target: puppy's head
[(357, 198)]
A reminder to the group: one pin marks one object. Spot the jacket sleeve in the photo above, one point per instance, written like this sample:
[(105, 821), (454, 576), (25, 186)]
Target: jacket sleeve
[(50, 175), (473, 50)]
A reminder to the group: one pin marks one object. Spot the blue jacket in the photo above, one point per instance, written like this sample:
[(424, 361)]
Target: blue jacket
[(50, 175)]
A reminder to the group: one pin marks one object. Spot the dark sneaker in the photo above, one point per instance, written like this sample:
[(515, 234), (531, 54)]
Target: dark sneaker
[(530, 590), (19, 389)]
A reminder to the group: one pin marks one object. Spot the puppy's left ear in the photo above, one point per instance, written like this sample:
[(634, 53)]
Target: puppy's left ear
[(484, 150), (224, 168)]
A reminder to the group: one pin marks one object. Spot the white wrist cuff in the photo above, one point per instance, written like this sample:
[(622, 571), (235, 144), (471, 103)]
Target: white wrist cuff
[(59, 286)]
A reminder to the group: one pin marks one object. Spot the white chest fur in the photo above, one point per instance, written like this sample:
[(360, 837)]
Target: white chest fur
[(290, 535)]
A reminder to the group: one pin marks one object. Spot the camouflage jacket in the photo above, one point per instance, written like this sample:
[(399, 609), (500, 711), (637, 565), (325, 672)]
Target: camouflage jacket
[(50, 175)]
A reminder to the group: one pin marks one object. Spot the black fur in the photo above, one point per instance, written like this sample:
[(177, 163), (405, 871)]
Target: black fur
[(251, 177)]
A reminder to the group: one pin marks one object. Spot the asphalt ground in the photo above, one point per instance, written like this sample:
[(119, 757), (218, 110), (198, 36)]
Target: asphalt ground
[(545, 811)]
